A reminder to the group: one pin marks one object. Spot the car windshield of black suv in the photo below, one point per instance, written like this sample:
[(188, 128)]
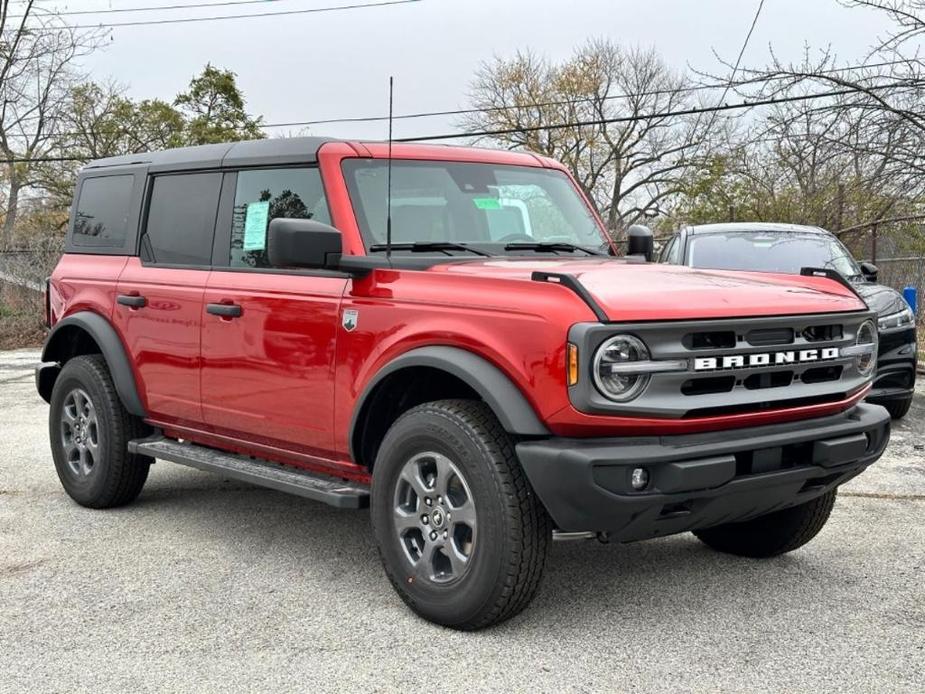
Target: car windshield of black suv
[(456, 208), (771, 251)]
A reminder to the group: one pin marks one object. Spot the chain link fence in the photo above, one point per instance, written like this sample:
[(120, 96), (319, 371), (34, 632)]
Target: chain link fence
[(908, 271), (22, 280)]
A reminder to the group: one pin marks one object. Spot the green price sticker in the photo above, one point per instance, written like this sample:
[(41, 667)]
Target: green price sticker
[(255, 226), (487, 203)]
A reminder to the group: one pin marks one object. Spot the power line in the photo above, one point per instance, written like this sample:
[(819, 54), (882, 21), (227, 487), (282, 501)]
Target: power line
[(252, 15), (563, 102), (152, 8), (455, 112), (574, 124), (732, 75), (650, 116), (748, 37)]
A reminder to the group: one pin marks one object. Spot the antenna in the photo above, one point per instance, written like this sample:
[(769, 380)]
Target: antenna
[(388, 195)]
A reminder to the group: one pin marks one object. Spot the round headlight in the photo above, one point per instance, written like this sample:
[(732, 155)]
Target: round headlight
[(867, 335), (616, 386)]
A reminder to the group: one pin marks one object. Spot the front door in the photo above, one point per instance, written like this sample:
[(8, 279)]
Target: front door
[(268, 334)]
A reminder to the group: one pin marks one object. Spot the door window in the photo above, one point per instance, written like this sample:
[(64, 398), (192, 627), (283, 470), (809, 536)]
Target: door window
[(181, 218), (261, 196)]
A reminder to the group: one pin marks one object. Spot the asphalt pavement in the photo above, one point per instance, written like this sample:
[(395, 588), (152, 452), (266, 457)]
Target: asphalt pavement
[(208, 585)]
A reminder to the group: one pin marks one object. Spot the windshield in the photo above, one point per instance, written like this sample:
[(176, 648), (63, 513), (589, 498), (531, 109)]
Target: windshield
[(771, 251), (485, 206)]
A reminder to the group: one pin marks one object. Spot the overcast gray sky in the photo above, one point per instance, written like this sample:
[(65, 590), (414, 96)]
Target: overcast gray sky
[(337, 64)]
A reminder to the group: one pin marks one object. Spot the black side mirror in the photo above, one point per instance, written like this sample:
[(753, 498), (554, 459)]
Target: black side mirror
[(869, 270), (303, 243), (639, 241)]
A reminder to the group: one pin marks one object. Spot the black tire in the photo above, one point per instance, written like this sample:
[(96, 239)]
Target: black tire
[(508, 548), (772, 534), (106, 475), (897, 408)]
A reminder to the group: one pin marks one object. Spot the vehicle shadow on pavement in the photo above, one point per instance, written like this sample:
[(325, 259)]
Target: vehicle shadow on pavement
[(585, 581)]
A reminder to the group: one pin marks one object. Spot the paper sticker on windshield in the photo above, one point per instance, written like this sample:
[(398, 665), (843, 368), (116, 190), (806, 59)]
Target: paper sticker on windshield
[(487, 203), (255, 226)]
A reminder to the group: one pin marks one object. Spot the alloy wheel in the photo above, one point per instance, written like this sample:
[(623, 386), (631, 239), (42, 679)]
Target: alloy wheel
[(435, 517), (80, 435)]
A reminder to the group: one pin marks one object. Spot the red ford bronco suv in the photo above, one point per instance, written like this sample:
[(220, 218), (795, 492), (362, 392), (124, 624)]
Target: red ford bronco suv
[(445, 335)]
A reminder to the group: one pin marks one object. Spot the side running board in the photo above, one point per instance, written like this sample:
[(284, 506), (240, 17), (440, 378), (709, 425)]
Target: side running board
[(284, 478)]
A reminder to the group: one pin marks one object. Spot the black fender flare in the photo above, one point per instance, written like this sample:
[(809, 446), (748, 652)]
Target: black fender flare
[(105, 336), (515, 414)]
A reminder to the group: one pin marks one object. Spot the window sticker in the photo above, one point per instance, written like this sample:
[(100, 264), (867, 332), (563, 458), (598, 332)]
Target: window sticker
[(255, 226), (487, 203)]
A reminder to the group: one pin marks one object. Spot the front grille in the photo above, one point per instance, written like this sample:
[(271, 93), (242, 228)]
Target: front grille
[(707, 385), (734, 366), (768, 379), (766, 337), (822, 374), (718, 339), (823, 333)]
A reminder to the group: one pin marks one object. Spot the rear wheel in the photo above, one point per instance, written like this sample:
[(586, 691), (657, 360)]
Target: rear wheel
[(461, 534), (772, 534), (89, 431)]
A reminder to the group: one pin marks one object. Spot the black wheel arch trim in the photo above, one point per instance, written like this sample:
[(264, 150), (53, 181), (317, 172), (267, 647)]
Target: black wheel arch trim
[(111, 347), (505, 399)]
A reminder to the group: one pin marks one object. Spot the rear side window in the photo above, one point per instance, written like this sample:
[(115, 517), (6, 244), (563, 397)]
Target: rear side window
[(102, 216), (181, 219)]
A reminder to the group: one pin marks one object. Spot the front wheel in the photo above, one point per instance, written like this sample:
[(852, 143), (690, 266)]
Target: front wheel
[(461, 534), (772, 534)]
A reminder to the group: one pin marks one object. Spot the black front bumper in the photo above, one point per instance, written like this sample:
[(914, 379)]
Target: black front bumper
[(699, 480)]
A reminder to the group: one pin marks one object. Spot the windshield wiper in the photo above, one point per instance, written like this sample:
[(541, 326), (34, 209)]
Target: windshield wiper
[(424, 246), (551, 246)]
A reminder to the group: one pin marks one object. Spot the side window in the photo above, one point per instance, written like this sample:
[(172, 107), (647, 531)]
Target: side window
[(101, 219), (262, 195), (181, 218), (670, 254)]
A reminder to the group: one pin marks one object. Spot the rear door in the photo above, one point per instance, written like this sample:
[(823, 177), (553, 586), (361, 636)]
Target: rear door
[(268, 334), (159, 302)]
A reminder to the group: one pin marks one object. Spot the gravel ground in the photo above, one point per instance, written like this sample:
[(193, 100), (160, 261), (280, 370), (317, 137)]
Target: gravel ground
[(208, 585)]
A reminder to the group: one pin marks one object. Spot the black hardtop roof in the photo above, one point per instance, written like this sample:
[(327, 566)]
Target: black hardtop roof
[(290, 150)]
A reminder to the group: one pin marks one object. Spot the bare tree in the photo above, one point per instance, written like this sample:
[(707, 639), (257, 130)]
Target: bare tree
[(852, 155), (829, 163), (38, 53), (602, 113), (99, 120)]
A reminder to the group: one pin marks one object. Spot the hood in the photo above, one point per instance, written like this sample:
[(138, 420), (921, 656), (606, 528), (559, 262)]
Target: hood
[(883, 300), (630, 291)]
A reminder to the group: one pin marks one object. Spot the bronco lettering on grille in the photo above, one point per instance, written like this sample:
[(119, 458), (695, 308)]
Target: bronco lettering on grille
[(744, 361)]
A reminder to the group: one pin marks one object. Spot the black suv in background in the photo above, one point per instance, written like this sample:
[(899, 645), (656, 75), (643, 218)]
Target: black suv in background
[(766, 247)]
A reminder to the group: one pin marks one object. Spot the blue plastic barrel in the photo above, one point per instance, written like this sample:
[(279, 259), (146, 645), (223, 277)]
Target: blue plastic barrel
[(911, 295)]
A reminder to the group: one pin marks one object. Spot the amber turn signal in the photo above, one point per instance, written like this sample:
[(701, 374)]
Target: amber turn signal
[(572, 364)]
